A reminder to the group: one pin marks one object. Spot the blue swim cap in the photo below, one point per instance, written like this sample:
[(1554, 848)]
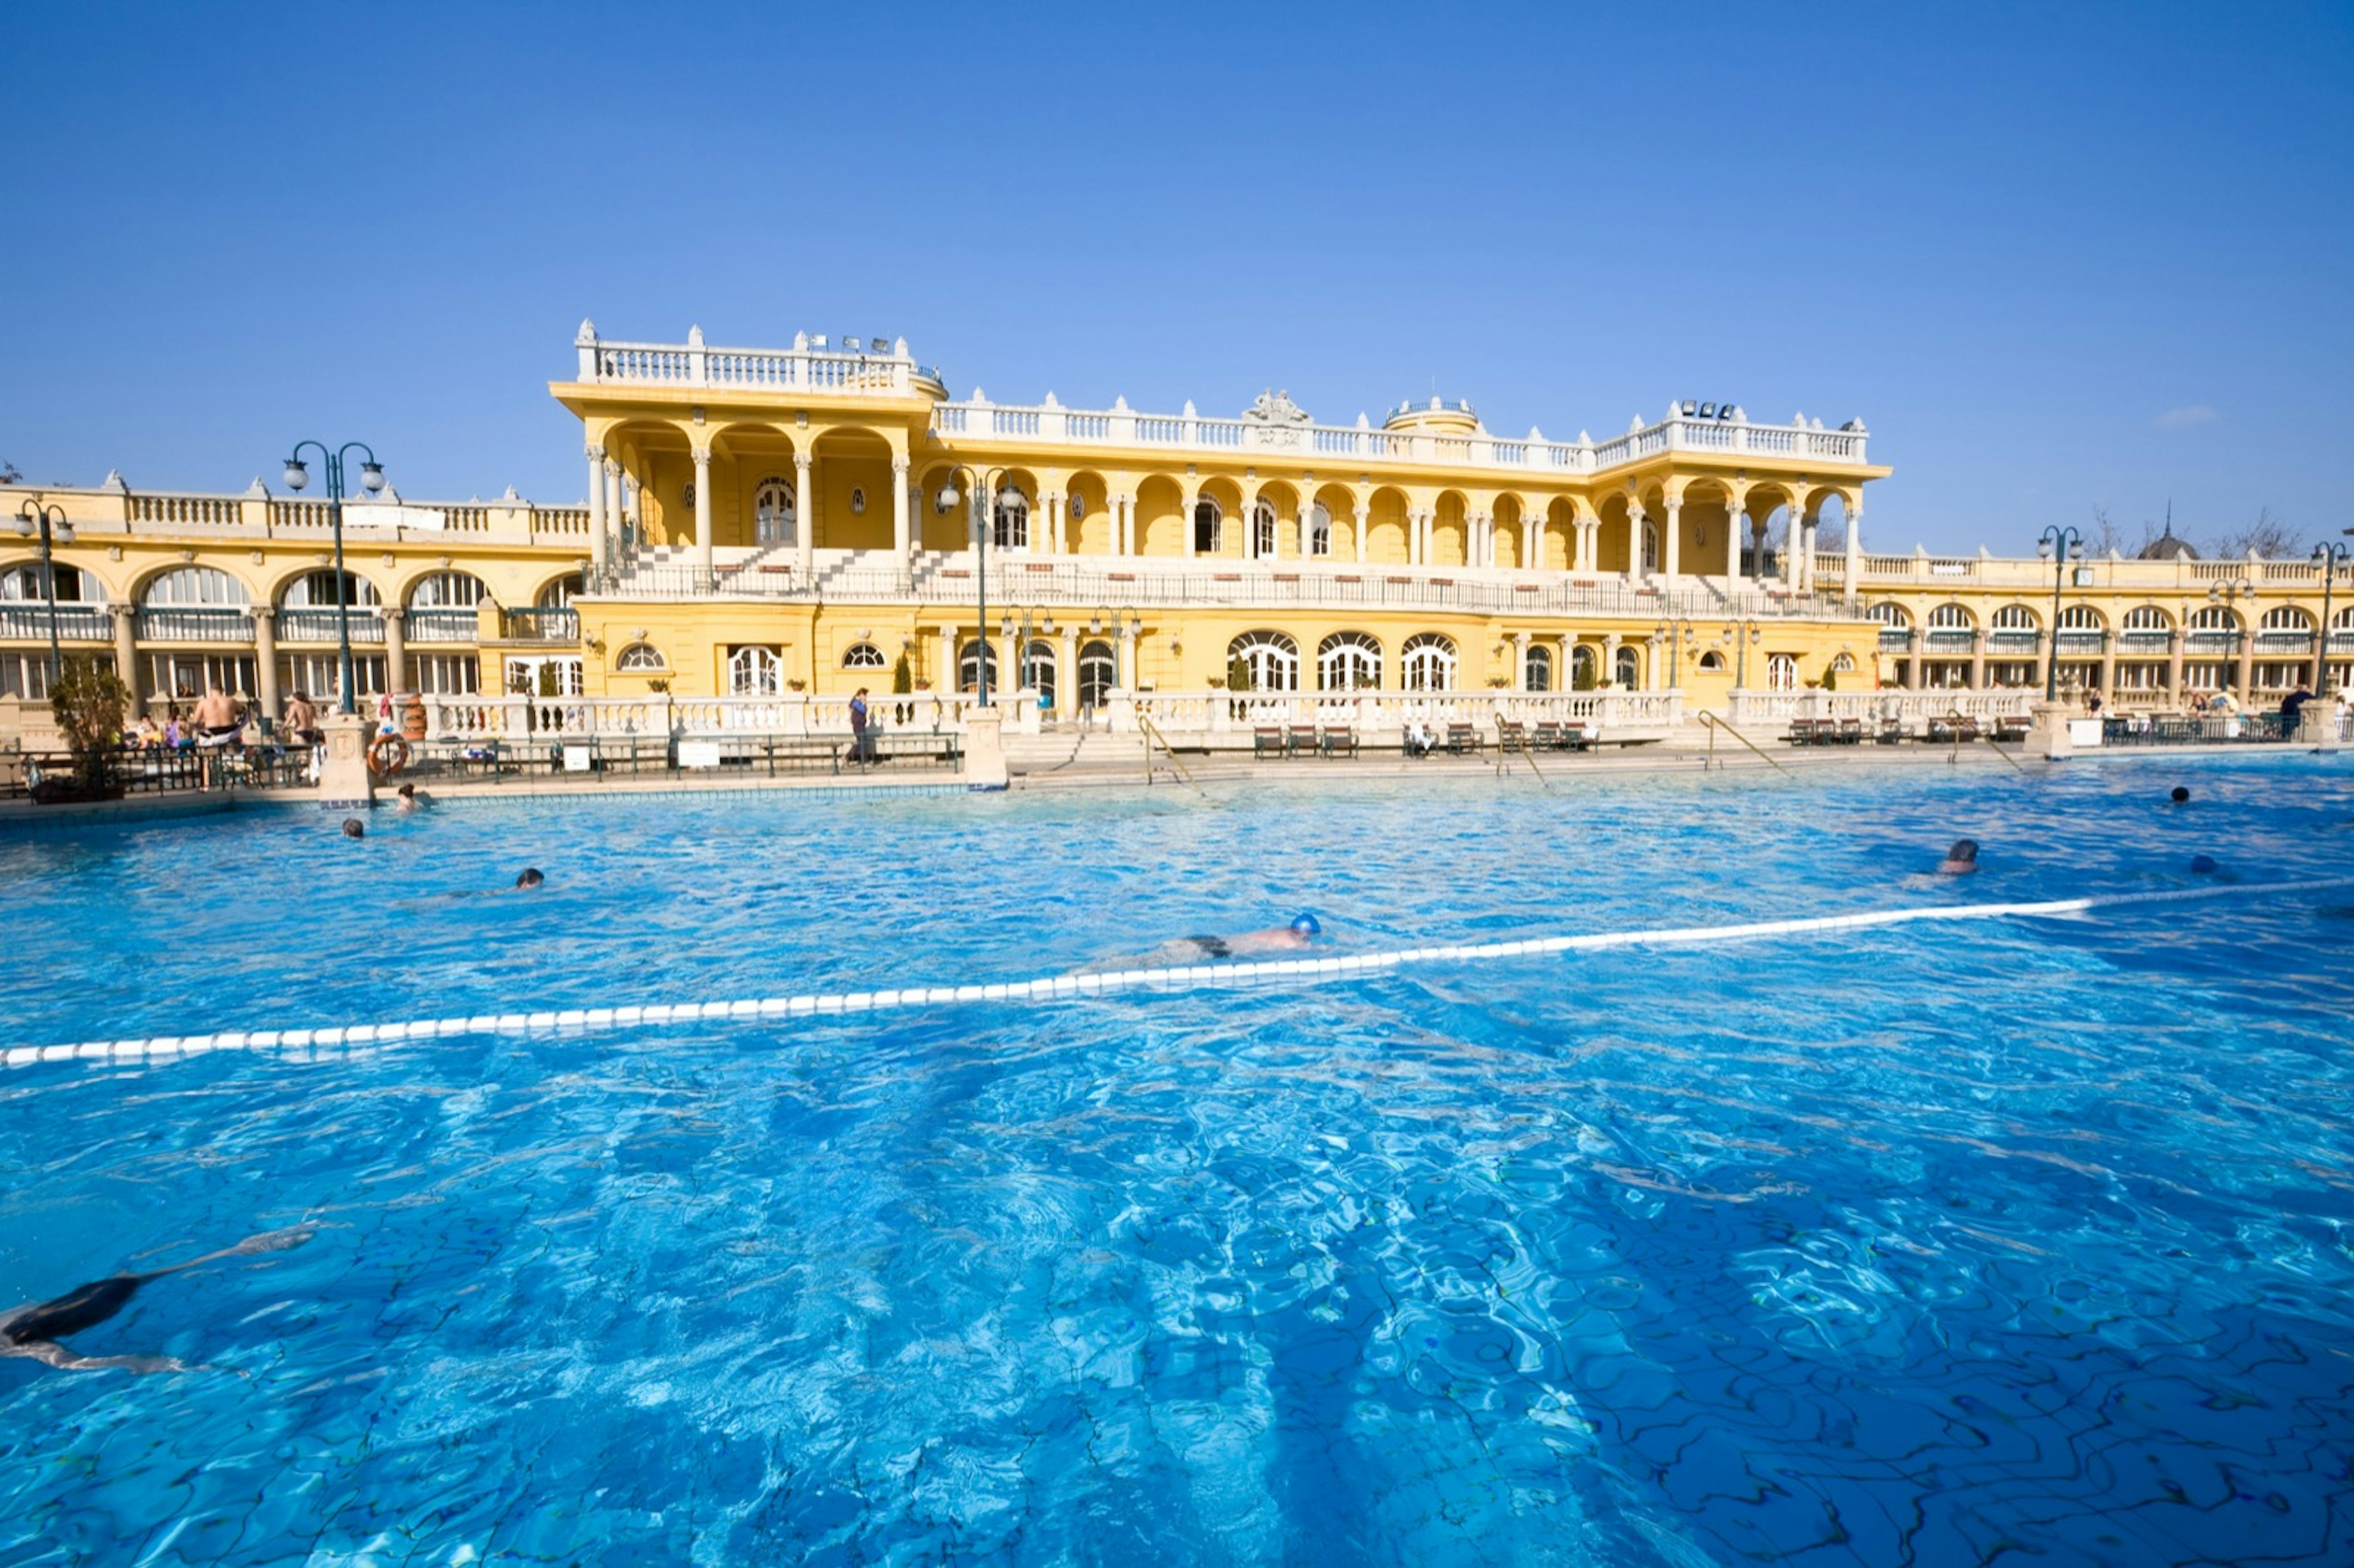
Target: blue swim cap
[(2202, 864), (1305, 924)]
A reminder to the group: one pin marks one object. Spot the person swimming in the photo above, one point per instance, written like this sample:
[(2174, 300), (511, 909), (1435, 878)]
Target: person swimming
[(529, 878), (32, 1330), (2204, 865), (354, 828), (1186, 951), (1961, 860), (2181, 796)]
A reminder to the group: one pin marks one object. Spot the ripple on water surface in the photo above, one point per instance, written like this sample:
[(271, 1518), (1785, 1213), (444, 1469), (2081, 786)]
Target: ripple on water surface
[(1927, 1242)]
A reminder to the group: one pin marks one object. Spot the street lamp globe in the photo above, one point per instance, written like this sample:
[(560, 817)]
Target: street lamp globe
[(297, 475), (372, 478), (948, 497), (2043, 547), (1009, 498)]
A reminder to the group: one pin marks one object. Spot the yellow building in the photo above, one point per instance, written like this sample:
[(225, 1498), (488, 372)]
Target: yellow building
[(766, 521)]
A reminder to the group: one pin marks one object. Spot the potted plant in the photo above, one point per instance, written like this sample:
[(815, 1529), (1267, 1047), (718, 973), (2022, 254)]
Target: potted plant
[(89, 703), (796, 684)]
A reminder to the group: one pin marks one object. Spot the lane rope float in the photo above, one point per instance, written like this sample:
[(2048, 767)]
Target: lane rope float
[(1110, 982)]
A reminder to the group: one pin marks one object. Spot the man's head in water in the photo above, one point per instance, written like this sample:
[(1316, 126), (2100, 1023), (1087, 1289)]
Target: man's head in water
[(1960, 860), (530, 877), (2200, 864), (1305, 924), (354, 828), (2181, 796)]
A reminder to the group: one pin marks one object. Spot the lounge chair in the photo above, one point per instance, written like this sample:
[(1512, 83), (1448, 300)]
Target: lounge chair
[(1297, 738), (1334, 739), (1512, 735), (1548, 738), (1851, 731), (1462, 738), (1892, 732), (1267, 740)]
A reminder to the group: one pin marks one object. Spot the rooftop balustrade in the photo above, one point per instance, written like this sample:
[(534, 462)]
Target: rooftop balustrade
[(113, 510)]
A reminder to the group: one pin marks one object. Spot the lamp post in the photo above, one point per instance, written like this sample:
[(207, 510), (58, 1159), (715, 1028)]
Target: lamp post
[(371, 481), (49, 522), (2054, 547), (2331, 555), (980, 486), (1743, 635), (1677, 632)]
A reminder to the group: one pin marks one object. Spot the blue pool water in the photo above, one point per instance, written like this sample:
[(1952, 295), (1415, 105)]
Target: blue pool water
[(2004, 1241)]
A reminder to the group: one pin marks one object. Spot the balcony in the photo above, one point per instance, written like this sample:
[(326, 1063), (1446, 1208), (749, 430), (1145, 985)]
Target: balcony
[(76, 622), (542, 624), (1895, 639), (2283, 644), (1953, 644), (194, 623), (443, 623), (2082, 644), (311, 624), (2014, 644)]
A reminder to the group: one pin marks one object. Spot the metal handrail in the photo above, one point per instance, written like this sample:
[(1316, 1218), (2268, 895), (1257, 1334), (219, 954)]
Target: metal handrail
[(1714, 724)]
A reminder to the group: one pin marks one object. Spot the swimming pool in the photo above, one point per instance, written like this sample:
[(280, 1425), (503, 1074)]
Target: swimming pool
[(1920, 1244)]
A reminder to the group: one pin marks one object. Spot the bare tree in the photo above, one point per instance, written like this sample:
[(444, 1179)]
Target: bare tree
[(8, 474), (2268, 537), (1830, 536), (2106, 538)]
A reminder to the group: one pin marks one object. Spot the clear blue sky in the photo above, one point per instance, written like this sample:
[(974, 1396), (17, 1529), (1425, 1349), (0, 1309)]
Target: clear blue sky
[(2059, 257)]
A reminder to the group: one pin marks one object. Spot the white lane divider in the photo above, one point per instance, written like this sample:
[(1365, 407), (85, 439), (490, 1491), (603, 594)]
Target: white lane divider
[(1233, 973)]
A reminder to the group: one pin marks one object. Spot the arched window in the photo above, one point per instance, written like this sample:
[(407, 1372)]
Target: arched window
[(447, 590), (74, 586), (2016, 618), (195, 585), (1011, 527), (1536, 669), (971, 659), (773, 512), (1426, 662), (2147, 618), (559, 594), (1038, 671), (1348, 661), (2215, 617), (1263, 661), (1891, 615), (1714, 661), (1582, 677), (863, 656), (1949, 618), (1206, 518), (639, 657), (755, 672), (1844, 664), (1263, 532), (1629, 672), (1650, 546), (1781, 673), (315, 590), (1320, 530), (2081, 618), (2287, 617), (1098, 673)]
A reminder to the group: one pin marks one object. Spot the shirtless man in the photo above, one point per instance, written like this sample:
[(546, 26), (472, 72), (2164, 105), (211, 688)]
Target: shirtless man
[(32, 1330), (302, 720), (1188, 952)]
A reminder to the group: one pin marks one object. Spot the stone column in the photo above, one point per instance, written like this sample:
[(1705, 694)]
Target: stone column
[(1792, 550), (903, 536), (1918, 656), (945, 681), (1978, 658), (1123, 673), (1364, 515), (703, 541), (1854, 553), (804, 518), (396, 649), (1520, 660), (597, 508), (2174, 697), (2108, 667), (126, 653), (1635, 568), (1607, 675), (607, 545), (265, 659), (1672, 557), (2247, 661), (1757, 530), (1009, 664), (1733, 519), (1054, 524), (1188, 543), (1128, 525)]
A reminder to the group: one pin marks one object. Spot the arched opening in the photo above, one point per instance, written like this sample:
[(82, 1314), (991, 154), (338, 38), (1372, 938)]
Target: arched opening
[(194, 587), (1319, 532), (316, 590), (973, 656), (1781, 673), (1712, 662), (639, 659), (864, 656), (1536, 669), (25, 582), (1628, 674), (1098, 674), (1263, 661), (1582, 668), (1206, 522), (774, 518), (1261, 534), (1009, 518), (1426, 662), (755, 670), (1348, 662), (1038, 671)]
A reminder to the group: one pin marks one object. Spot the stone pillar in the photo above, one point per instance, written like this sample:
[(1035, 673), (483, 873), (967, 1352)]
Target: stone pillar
[(265, 659), (2247, 673), (1128, 525), (1918, 654), (1054, 524), (1636, 567), (597, 527), (1757, 530), (804, 518), (1733, 519), (1854, 552), (1607, 675), (606, 543), (1520, 660), (1123, 674), (1066, 676), (1188, 543), (2108, 667), (1671, 558), (2174, 697), (903, 538), (126, 653), (1792, 548), (1364, 515), (984, 748), (344, 781), (396, 649), (1978, 658), (703, 540), (1009, 664), (946, 680)]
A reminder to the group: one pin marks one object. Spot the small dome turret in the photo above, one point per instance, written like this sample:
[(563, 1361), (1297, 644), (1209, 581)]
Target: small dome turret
[(1438, 417)]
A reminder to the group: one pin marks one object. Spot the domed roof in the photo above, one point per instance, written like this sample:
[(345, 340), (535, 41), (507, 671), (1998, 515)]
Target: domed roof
[(1439, 415), (2167, 547)]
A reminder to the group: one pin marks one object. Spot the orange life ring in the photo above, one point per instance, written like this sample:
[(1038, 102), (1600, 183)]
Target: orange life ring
[(386, 755)]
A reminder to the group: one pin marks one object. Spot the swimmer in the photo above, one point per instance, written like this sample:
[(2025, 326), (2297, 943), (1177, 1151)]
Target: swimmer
[(1187, 951), (354, 828), (2181, 796), (529, 878), (410, 801), (1961, 860), (2203, 864), (32, 1330)]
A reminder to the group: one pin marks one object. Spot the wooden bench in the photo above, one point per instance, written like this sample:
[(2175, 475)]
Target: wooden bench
[(1334, 739), (1462, 739)]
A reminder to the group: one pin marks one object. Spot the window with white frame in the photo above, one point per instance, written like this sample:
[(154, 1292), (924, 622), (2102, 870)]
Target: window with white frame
[(315, 590), (864, 656), (1011, 531), (1098, 673), (1628, 673), (1266, 660), (195, 585), (972, 658), (1206, 519), (773, 512), (1426, 662), (639, 658), (74, 586), (448, 590), (755, 670), (1348, 661), (1263, 532), (559, 594), (2147, 618), (1949, 618), (2016, 618), (1536, 669), (1781, 673), (446, 674), (1319, 532)]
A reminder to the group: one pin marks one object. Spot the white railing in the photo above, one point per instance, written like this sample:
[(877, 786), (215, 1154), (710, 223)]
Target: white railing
[(76, 622), (1130, 582), (1051, 424), (1748, 708), (1622, 715), (852, 368), (791, 714), (2031, 578)]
